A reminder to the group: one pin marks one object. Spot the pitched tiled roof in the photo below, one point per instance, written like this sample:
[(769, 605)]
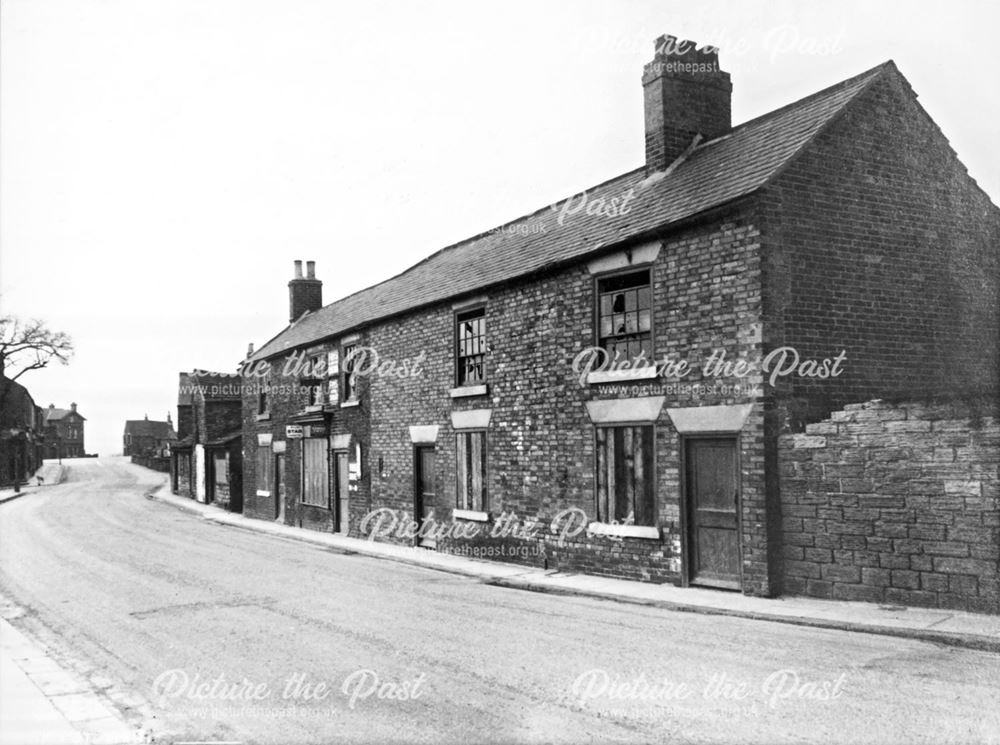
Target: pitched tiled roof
[(53, 414), (714, 173), (149, 428)]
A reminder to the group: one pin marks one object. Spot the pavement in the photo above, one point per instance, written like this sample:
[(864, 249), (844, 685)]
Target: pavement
[(952, 628), (45, 704), (50, 473), (42, 702)]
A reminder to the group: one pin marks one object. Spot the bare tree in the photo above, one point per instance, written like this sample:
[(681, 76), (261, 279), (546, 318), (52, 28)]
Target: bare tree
[(28, 345)]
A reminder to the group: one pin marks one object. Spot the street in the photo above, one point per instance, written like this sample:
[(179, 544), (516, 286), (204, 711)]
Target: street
[(215, 634)]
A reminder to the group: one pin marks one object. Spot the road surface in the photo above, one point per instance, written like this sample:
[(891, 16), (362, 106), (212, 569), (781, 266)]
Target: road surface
[(202, 632)]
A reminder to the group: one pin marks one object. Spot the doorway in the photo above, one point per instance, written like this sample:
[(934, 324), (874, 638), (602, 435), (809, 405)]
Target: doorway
[(712, 502), (423, 500), (279, 488), (342, 484)]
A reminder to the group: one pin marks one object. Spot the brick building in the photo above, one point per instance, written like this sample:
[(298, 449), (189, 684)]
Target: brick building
[(148, 437), (604, 385), (64, 432), (21, 433), (206, 462)]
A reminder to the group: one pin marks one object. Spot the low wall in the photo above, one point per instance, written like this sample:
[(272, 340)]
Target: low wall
[(894, 503), (150, 461)]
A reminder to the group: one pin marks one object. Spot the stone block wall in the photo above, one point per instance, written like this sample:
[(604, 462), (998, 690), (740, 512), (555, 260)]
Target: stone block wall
[(895, 503)]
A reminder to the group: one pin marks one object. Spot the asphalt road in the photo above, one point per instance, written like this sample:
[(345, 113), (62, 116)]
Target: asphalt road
[(211, 633)]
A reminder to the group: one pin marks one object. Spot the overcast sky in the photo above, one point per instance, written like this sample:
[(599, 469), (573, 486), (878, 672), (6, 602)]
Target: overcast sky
[(163, 163)]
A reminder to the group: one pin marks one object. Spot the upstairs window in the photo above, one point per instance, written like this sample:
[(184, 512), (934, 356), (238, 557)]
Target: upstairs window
[(332, 378), (315, 380), (262, 402), (470, 355), (625, 316), (348, 380)]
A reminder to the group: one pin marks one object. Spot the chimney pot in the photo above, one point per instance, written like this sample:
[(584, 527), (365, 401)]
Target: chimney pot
[(305, 294), (72, 407), (250, 349)]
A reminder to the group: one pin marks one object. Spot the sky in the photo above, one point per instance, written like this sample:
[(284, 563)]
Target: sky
[(163, 163)]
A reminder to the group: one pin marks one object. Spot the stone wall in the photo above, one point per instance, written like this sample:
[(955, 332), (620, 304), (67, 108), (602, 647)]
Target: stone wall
[(154, 462), (895, 503)]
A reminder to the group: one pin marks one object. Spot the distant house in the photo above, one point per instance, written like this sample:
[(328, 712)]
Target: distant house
[(64, 432), (21, 433), (148, 437), (207, 461)]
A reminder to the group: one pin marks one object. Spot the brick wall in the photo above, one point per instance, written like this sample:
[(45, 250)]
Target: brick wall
[(288, 398), (541, 449), (895, 504), (183, 467), (185, 420), (218, 418), (877, 242)]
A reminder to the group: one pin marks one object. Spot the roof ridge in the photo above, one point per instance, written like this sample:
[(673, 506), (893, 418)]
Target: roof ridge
[(465, 241), (481, 234), (798, 102), (406, 289)]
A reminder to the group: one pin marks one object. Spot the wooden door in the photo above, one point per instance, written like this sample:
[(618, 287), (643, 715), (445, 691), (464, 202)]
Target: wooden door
[(423, 502), (279, 488), (342, 482), (712, 486)]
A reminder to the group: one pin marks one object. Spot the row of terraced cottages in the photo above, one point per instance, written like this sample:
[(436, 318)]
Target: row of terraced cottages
[(663, 377)]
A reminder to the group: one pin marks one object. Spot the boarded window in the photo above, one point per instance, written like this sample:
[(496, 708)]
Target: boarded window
[(348, 382), (471, 353), (221, 468), (315, 379), (625, 475), (332, 378), (625, 316), (264, 468), (315, 475), (471, 468)]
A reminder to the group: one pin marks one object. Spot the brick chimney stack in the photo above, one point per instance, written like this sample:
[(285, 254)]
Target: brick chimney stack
[(686, 94), (304, 293)]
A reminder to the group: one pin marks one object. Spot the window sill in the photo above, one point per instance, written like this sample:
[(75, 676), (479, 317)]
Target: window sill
[(262, 493), (263, 417), (313, 407), (622, 376), (349, 404), (314, 506), (625, 531), (465, 391), (474, 515)]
